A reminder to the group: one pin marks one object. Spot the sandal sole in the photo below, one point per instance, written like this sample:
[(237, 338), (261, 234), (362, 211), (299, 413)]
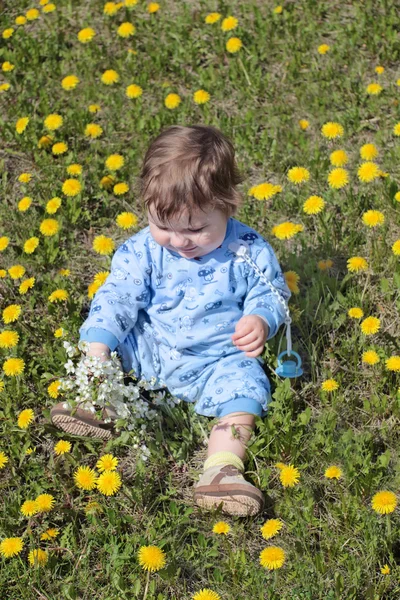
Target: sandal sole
[(77, 427), (238, 500)]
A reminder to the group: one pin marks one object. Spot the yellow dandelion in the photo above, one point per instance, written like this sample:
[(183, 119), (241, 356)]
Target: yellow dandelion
[(93, 130), (151, 558), (4, 241), (333, 472), (38, 557), (26, 285), (265, 191), (396, 129), (370, 325), (233, 45), (372, 218), (332, 130), (115, 162), (93, 507), (374, 89), (59, 148), (85, 478), (25, 177), (16, 271), (286, 230), (29, 508), (11, 313), (45, 141), (370, 357), (94, 108), (21, 124), (221, 528), (8, 339), (153, 7), (212, 18), (329, 385), (7, 33), (172, 101), (271, 528), (126, 220), (49, 227), (133, 91), (32, 14), (384, 502), (103, 245), (298, 175), (58, 295), (289, 476), (323, 49), (53, 388), (24, 203), (20, 20), (304, 124), (229, 23), (368, 171), (393, 364), (356, 264), (74, 169), (53, 122), (368, 151), (53, 205), (13, 367), (45, 502), (11, 546), (71, 187), (50, 534), (355, 312), (70, 82), (126, 30), (25, 418), (7, 67), (60, 332), (120, 188), (379, 69), (338, 178), (313, 205), (110, 77), (111, 8), (108, 462), (277, 10), (86, 35), (3, 460), (338, 158), (292, 279), (62, 447), (206, 594), (385, 570), (109, 483), (272, 557), (4, 87), (396, 248), (201, 97)]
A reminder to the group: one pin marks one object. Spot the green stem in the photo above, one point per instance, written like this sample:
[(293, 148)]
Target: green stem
[(147, 585), (244, 71)]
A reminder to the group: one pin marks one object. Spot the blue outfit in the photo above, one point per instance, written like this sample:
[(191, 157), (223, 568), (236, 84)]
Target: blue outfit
[(171, 318)]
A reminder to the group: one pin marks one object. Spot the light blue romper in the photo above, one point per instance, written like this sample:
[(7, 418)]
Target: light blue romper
[(171, 318)]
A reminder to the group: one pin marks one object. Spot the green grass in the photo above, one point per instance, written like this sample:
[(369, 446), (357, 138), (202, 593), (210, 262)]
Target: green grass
[(335, 544)]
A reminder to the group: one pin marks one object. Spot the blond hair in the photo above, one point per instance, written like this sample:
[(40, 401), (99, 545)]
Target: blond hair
[(186, 168)]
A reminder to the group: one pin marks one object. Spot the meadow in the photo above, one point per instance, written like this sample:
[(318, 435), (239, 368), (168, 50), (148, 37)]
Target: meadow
[(309, 93)]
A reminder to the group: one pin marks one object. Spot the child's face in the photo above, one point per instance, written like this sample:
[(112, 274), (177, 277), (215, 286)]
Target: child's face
[(205, 233)]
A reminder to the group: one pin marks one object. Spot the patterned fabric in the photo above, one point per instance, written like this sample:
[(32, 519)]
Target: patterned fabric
[(171, 318)]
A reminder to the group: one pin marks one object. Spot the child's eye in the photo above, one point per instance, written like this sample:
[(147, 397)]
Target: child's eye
[(195, 230)]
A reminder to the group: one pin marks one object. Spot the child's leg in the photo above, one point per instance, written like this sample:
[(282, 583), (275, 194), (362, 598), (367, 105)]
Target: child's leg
[(231, 434)]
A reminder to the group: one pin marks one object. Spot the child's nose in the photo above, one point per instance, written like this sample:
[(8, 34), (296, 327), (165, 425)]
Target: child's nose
[(179, 241)]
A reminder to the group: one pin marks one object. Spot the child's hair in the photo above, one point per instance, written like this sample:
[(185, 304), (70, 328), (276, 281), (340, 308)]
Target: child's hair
[(187, 168)]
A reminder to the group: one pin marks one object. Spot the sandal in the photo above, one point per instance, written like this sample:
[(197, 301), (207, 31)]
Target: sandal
[(78, 421)]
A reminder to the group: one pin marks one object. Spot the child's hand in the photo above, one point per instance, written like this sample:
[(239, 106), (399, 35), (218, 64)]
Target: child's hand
[(250, 335)]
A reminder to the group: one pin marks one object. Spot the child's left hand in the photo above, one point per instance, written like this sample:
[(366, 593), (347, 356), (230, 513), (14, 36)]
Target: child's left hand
[(250, 335)]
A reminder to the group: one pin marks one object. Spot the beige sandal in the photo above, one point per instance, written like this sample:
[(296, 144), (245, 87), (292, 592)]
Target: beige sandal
[(78, 421)]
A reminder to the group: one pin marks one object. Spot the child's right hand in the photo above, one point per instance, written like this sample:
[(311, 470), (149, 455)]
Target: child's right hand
[(99, 349)]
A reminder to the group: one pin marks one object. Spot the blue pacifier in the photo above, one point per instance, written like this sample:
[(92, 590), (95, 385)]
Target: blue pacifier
[(289, 368)]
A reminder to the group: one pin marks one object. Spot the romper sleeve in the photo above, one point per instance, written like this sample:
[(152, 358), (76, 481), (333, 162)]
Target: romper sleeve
[(260, 300), (115, 306)]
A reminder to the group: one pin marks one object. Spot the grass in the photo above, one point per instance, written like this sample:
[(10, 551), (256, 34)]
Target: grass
[(335, 544)]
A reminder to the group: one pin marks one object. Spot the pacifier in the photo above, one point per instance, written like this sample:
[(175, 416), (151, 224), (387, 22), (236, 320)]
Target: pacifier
[(289, 368)]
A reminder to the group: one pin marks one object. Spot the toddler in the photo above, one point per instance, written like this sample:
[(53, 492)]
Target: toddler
[(182, 308)]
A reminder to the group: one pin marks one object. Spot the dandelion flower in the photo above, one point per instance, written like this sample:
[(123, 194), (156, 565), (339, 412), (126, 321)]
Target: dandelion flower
[(313, 205), (264, 191), (94, 108), (151, 558), (292, 279), (338, 158), (25, 418), (368, 171), (53, 205), (153, 7), (379, 70), (58, 296), (107, 182), (304, 124), (85, 478), (355, 312), (329, 385), (338, 178), (332, 130), (370, 357), (21, 124), (53, 389), (45, 502), (115, 162), (126, 30), (62, 447), (108, 462), (26, 285), (8, 339), (50, 534), (120, 188), (272, 557), (212, 18), (53, 122), (323, 49), (172, 101), (25, 177), (3, 460), (29, 508), (24, 203), (206, 594), (38, 557), (368, 151), (277, 10), (70, 82), (60, 332), (396, 248), (93, 507), (393, 364), (286, 230), (86, 35), (59, 148), (126, 220), (49, 227), (229, 23), (133, 91), (111, 8), (11, 546), (11, 313), (13, 367), (333, 472), (109, 483), (32, 14), (271, 528), (356, 264), (370, 325), (298, 175), (384, 502), (45, 141), (93, 130), (385, 570), (221, 527), (233, 45), (71, 187), (4, 87), (289, 476), (110, 77), (372, 218), (396, 129), (4, 241), (201, 97), (7, 66), (374, 89), (16, 271), (7, 33)]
